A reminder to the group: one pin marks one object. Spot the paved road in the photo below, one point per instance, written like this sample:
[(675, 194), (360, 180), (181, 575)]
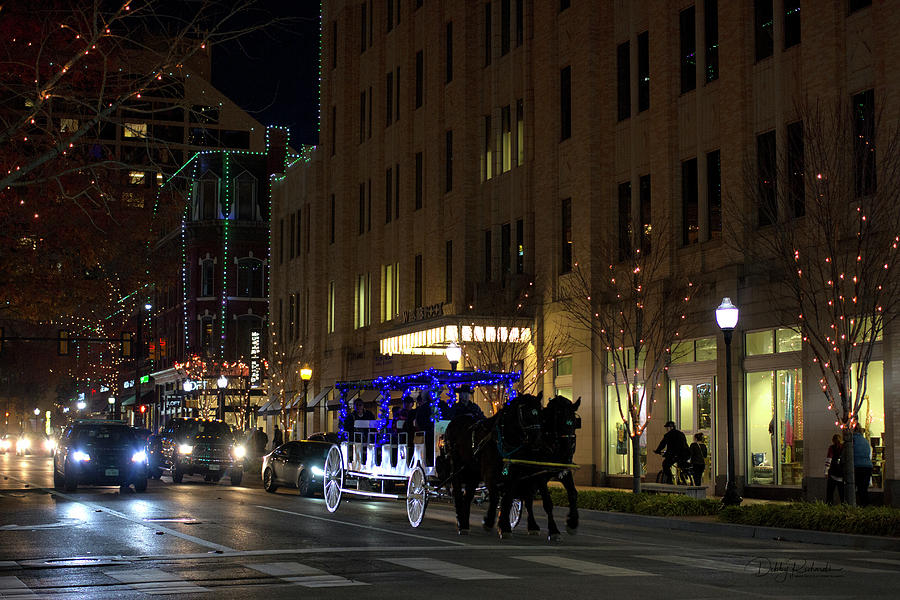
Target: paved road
[(216, 540)]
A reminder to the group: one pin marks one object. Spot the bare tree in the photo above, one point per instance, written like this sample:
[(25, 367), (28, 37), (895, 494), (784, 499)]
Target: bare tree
[(825, 219), (632, 314), (285, 361), (506, 332)]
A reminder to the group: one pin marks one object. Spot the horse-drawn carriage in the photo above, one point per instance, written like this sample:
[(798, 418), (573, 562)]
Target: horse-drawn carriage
[(386, 457)]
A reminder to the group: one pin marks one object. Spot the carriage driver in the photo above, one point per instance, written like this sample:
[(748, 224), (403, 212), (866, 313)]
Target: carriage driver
[(464, 405)]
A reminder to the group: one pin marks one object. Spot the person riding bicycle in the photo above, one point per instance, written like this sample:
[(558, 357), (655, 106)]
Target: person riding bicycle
[(674, 448)]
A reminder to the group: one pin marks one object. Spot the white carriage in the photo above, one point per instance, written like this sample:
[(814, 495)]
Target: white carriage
[(384, 458)]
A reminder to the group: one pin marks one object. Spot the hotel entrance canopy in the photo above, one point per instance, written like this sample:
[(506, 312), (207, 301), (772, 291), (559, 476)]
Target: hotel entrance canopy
[(434, 335)]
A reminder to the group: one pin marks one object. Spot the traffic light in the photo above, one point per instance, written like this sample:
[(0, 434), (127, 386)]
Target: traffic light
[(127, 349), (62, 347), (143, 408)]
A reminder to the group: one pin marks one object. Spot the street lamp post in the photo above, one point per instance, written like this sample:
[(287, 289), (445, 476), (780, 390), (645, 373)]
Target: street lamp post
[(727, 318), (221, 383), (305, 375), (112, 404), (453, 353)]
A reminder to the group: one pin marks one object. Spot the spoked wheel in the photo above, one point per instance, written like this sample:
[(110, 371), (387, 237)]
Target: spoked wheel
[(334, 478), (416, 496), (515, 513)]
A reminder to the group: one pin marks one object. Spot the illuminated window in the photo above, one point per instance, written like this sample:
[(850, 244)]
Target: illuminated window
[(331, 307), (390, 291), (137, 178), (68, 125), (506, 139), (487, 154), (362, 314), (135, 130), (520, 132)]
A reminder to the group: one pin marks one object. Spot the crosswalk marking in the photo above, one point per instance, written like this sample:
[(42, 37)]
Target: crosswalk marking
[(304, 575), (702, 563), (445, 569), (154, 581), (583, 567), (12, 587)]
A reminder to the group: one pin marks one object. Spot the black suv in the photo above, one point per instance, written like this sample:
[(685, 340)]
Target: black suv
[(94, 452), (200, 446)]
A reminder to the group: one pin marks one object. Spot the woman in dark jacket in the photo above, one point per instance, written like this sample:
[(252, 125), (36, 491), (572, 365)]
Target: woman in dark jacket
[(699, 452), (834, 470)]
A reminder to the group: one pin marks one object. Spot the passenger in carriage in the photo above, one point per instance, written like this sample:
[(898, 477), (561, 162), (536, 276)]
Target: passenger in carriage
[(464, 405), (360, 413), (402, 412)]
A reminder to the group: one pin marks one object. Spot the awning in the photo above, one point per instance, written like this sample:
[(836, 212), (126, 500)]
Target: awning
[(315, 401), (146, 397), (272, 407)]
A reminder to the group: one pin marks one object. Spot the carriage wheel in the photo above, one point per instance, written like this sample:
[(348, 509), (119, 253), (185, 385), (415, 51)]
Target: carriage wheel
[(334, 478), (416, 496), (515, 513)]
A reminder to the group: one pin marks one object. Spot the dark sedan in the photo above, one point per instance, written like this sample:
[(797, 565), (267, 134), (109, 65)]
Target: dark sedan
[(296, 464), (100, 453)]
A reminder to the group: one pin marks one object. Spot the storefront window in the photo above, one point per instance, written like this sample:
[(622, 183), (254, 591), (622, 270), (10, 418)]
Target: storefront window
[(618, 451), (775, 427), (787, 340), (770, 341), (563, 366), (871, 415), (694, 350), (760, 342)]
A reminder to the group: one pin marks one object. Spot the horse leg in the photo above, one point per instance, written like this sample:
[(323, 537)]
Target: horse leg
[(503, 518), (552, 530), (572, 494), (461, 506), (528, 505), (488, 522)]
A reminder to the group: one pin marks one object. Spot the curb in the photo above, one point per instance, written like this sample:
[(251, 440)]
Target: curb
[(804, 536)]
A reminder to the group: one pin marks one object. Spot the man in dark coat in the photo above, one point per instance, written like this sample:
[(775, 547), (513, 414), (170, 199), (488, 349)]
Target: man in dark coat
[(360, 413), (277, 438), (464, 405), (673, 447)]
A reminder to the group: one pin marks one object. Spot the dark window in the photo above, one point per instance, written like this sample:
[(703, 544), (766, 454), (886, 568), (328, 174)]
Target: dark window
[(795, 172), (389, 99), (420, 78), (420, 180), (362, 208), (368, 208), (864, 142), (363, 20), (281, 242), (623, 74), (763, 26), (448, 272), (419, 3), (418, 281), (299, 230), (765, 168), (625, 221), (293, 234), (333, 214), (791, 23), (333, 128), (487, 255), (645, 213), (362, 117), (563, 5), (397, 104), (520, 246), (390, 15), (688, 50), (643, 74), (448, 75), (520, 22), (714, 193), (505, 250), (566, 237), (565, 103), (855, 5), (334, 41), (690, 225), (711, 29), (371, 22), (207, 278), (397, 191), (369, 120), (448, 161), (487, 34), (250, 278), (388, 193), (504, 27)]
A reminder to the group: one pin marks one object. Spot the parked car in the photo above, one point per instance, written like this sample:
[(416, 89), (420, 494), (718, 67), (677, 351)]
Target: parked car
[(98, 452), (299, 464), (201, 446), (324, 436)]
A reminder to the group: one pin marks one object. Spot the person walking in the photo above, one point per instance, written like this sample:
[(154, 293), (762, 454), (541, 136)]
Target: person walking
[(862, 465), (674, 448), (699, 452), (834, 470), (277, 438)]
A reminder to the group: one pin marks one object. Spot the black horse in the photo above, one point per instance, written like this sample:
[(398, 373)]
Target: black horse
[(559, 422), (473, 452)]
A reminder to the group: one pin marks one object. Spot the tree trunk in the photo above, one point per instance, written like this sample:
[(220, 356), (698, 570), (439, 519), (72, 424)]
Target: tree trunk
[(849, 471), (636, 463)]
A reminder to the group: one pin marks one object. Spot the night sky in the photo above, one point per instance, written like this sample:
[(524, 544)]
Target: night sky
[(273, 74)]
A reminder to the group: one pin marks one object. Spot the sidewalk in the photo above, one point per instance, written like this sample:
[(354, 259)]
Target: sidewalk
[(711, 526)]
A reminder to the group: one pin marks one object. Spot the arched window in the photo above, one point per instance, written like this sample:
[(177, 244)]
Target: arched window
[(206, 197), (250, 278), (206, 333), (245, 197), (207, 277), (249, 327)]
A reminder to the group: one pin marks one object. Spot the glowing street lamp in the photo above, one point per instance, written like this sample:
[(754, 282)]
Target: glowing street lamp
[(727, 318), (453, 353), (305, 375), (222, 383)]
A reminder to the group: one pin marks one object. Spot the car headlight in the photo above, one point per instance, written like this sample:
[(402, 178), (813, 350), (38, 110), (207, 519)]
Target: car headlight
[(139, 457), (185, 449), (318, 472), (4, 444), (49, 445), (24, 444), (239, 452), (80, 456)]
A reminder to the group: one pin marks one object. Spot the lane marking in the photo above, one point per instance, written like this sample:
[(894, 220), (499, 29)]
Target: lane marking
[(357, 525), (702, 563), (13, 587), (304, 575), (66, 522), (443, 568), (584, 567), (155, 581)]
